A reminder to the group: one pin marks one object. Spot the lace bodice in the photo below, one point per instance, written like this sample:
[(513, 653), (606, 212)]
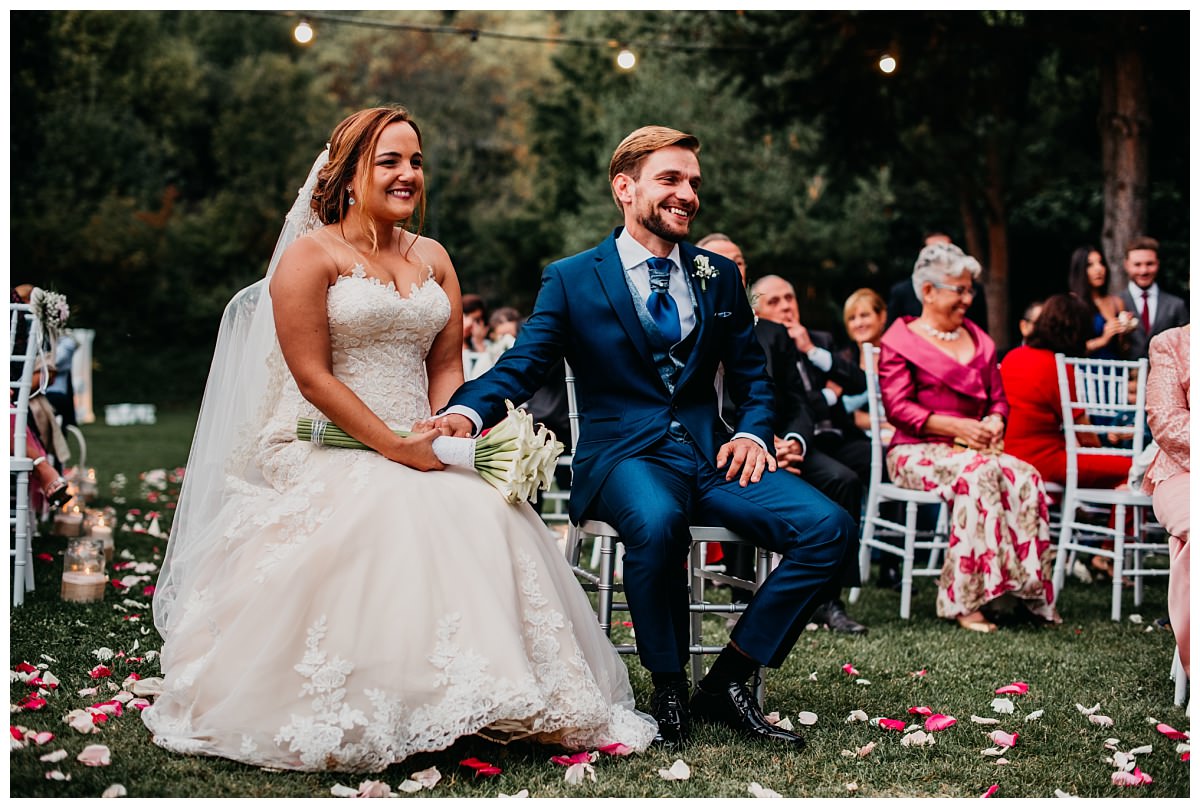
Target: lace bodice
[(379, 341)]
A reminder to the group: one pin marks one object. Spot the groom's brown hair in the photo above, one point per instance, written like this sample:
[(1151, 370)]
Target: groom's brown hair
[(639, 143)]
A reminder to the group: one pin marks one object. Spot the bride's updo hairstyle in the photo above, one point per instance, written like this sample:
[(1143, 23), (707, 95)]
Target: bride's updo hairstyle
[(352, 140)]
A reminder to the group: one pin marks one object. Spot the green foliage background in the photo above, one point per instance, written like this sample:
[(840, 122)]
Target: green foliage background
[(154, 153)]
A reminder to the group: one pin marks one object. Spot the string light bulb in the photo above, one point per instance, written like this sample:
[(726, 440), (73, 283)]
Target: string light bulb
[(887, 64), (303, 33), (626, 59)]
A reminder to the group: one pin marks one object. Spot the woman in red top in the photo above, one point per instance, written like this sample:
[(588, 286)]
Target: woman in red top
[(942, 392), (1030, 376)]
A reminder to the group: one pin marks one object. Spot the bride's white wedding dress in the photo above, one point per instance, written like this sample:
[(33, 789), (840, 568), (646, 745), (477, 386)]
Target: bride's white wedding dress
[(358, 611)]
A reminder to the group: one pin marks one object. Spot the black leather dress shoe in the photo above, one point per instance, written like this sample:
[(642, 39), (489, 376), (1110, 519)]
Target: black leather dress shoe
[(736, 708), (833, 614), (889, 578), (669, 706)]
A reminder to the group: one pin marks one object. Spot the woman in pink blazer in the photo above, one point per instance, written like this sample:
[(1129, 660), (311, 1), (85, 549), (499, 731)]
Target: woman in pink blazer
[(1168, 412), (942, 391)]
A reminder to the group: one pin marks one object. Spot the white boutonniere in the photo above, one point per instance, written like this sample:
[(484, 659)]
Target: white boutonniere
[(704, 271)]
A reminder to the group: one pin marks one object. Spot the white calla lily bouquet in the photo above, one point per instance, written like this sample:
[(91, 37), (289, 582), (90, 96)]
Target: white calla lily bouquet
[(516, 456)]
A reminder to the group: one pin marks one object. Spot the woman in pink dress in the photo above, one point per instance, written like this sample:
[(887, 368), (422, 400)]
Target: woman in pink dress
[(1168, 412), (942, 391)]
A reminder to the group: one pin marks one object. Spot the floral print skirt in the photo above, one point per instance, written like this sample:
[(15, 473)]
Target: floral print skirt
[(999, 526)]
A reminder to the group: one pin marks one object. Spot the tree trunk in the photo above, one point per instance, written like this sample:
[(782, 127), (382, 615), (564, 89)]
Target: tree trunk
[(996, 219), (1125, 155)]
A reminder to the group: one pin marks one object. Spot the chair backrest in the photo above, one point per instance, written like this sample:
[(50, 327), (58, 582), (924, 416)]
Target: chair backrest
[(25, 344), (1100, 390), (875, 410), (572, 403)]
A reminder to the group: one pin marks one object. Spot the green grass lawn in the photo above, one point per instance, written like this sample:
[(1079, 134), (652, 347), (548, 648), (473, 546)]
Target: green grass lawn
[(1086, 660)]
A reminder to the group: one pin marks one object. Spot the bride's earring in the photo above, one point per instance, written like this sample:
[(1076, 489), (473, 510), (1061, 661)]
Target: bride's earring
[(350, 194)]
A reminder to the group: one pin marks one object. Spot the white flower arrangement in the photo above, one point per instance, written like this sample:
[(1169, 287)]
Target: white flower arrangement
[(516, 456), (51, 310), (704, 271)]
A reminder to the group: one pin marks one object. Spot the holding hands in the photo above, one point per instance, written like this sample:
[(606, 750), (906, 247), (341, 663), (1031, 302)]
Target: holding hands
[(789, 454)]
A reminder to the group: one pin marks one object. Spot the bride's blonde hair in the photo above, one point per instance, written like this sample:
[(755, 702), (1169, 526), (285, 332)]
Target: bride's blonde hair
[(354, 139)]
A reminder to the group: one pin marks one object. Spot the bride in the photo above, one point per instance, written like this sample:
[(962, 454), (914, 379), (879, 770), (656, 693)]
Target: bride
[(332, 609)]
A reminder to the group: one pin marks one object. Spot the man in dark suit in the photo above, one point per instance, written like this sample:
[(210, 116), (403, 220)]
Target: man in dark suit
[(645, 320), (903, 298), (1155, 309), (814, 434)]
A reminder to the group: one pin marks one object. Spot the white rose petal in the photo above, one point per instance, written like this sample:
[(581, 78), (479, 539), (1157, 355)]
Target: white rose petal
[(807, 719), (1141, 750), (57, 775), (976, 719), (678, 771), (918, 738), (54, 757), (1001, 761), (578, 772), (1062, 795), (1002, 705), (1111, 743), (862, 681), (757, 790), (1100, 720), (428, 778), (1035, 715), (522, 794), (785, 723), (856, 715), (409, 787), (852, 787), (995, 751), (115, 790), (374, 789), (95, 755), (1087, 710), (103, 654), (1136, 619)]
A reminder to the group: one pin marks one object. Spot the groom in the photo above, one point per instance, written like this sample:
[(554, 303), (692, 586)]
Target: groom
[(645, 319)]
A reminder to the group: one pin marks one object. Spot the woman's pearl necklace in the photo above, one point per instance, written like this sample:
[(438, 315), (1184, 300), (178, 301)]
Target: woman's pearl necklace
[(945, 336)]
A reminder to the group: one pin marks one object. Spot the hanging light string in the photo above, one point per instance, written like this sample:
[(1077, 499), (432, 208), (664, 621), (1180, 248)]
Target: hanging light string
[(475, 34)]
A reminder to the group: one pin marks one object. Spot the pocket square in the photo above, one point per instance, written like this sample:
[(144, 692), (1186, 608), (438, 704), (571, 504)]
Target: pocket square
[(722, 314)]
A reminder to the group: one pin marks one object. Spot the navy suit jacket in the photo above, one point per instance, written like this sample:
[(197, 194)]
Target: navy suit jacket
[(585, 313)]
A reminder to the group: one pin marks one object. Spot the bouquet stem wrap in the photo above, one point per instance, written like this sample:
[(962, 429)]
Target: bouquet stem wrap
[(516, 456)]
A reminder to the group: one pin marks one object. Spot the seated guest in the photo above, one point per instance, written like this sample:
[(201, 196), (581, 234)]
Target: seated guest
[(942, 392), (1168, 409), (476, 359), (503, 326), (865, 314), (904, 300), (1029, 320), (60, 393), (1035, 421)]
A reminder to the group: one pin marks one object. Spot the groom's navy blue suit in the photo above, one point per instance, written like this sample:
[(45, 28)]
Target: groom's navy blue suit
[(645, 461)]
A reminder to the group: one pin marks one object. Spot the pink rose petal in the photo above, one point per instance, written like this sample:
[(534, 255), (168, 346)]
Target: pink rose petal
[(42, 738), (1015, 687), (919, 673), (920, 711), (578, 757), (1134, 778), (1171, 732), (891, 723), (1002, 738), (618, 749), (850, 669), (938, 722), (992, 790)]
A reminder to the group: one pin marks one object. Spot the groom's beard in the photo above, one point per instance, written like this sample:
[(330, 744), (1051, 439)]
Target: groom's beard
[(656, 224)]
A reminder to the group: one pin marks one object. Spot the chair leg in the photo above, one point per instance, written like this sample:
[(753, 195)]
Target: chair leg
[(1064, 539), (696, 593), (906, 570), (1138, 556), (1118, 562), (604, 588)]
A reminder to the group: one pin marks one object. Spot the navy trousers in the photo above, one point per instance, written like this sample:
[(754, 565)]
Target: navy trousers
[(652, 499)]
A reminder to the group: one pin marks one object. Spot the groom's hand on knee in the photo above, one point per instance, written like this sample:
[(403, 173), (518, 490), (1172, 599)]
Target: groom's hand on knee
[(746, 459)]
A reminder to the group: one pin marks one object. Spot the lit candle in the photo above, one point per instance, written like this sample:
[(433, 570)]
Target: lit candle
[(83, 579), (105, 534), (68, 523)]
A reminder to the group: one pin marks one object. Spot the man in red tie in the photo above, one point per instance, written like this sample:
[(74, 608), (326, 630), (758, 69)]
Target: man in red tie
[(1156, 309)]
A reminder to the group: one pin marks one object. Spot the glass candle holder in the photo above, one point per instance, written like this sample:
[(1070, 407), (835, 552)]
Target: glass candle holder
[(84, 579)]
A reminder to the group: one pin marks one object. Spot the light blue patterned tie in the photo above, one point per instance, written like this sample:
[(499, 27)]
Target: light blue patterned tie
[(660, 304)]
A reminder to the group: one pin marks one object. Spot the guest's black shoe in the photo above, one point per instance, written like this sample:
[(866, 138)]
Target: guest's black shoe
[(669, 706), (736, 708), (833, 614), (889, 578)]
